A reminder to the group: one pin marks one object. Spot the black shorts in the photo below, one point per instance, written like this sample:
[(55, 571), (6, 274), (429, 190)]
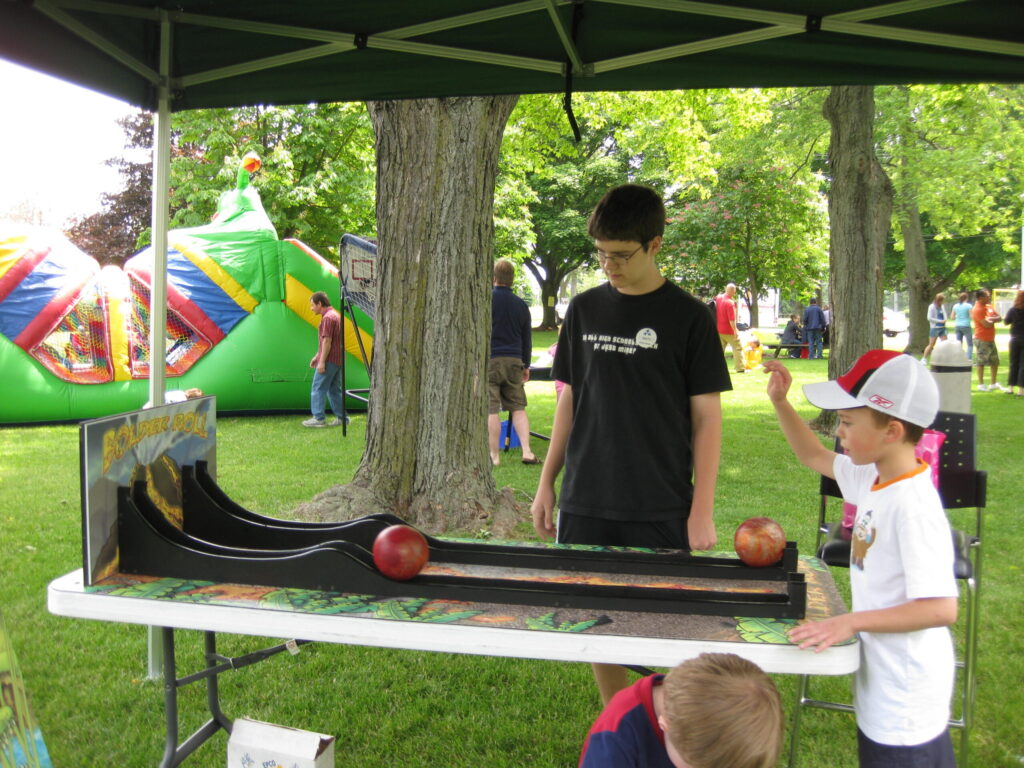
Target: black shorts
[(937, 753), (662, 534)]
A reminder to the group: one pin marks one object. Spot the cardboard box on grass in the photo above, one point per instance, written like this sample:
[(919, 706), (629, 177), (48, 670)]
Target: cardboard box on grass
[(262, 745)]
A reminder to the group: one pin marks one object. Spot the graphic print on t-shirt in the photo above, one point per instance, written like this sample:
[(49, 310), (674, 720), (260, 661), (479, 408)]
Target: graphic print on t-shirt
[(646, 338), (863, 537)]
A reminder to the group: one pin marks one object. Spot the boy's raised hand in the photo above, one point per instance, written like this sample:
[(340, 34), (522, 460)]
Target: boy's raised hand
[(779, 380), (805, 444)]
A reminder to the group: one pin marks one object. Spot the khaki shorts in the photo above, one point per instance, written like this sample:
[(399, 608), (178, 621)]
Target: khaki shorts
[(985, 353), (505, 385)]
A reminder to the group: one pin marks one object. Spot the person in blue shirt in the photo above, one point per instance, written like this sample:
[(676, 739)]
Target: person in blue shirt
[(814, 328), (936, 324), (714, 711), (962, 323), (509, 366)]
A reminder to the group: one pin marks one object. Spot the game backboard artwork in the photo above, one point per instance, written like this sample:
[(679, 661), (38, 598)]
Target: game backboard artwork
[(150, 444), (21, 740)]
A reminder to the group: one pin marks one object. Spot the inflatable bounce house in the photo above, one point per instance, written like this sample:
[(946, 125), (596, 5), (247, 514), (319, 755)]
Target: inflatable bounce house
[(74, 337)]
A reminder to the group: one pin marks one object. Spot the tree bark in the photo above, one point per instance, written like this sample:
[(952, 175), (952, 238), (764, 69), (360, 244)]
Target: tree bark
[(919, 283), (426, 457), (753, 280), (549, 300), (859, 208), (922, 284), (549, 283)]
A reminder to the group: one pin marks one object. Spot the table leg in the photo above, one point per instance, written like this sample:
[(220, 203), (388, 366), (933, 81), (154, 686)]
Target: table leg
[(173, 753), (170, 699), (212, 691)]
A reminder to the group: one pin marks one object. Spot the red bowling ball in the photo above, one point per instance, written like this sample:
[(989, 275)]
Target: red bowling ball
[(400, 552), (759, 541)]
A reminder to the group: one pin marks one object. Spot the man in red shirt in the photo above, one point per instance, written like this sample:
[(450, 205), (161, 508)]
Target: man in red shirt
[(327, 364), (725, 304), (985, 353)]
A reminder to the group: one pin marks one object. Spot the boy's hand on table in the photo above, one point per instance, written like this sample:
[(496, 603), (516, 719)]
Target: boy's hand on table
[(820, 635)]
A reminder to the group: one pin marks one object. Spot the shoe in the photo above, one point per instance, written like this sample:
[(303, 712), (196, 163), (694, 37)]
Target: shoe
[(997, 387), (336, 422), (314, 423), (984, 388), (534, 460)]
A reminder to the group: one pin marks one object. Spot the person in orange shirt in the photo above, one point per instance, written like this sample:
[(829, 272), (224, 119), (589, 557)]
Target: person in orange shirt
[(985, 318)]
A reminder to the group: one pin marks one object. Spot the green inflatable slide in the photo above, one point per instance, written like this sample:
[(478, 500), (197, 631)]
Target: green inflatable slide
[(74, 337)]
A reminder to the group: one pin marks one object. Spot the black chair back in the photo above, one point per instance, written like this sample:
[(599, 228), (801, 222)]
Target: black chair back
[(960, 484)]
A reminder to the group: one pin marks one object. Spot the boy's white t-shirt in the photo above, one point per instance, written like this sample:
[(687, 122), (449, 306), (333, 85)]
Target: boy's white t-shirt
[(901, 550)]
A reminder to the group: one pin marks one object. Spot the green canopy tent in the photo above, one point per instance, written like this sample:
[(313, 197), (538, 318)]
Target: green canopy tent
[(215, 53), (230, 54)]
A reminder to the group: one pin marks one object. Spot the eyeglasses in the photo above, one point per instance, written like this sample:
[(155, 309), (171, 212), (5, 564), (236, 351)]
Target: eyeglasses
[(616, 259)]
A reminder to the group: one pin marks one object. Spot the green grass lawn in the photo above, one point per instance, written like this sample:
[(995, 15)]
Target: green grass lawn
[(86, 678)]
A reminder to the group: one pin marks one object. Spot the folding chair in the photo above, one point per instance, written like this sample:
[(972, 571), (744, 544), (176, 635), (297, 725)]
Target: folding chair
[(961, 486)]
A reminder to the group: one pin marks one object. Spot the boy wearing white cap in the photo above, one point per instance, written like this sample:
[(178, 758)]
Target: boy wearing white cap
[(901, 570)]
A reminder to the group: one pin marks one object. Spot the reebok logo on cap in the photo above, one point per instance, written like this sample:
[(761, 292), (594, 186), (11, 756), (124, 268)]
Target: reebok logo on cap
[(885, 380), (881, 402)]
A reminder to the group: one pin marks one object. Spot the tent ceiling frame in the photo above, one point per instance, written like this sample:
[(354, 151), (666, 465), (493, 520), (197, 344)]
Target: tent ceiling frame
[(97, 41), (778, 24), (256, 65), (698, 8), (565, 36), (942, 40), (700, 46)]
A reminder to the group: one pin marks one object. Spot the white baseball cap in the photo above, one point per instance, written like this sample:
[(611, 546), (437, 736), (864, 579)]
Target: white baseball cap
[(885, 380)]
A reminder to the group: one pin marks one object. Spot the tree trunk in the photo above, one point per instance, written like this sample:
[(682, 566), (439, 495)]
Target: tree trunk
[(548, 299), (426, 457), (751, 290), (749, 297), (918, 280), (753, 282), (859, 207)]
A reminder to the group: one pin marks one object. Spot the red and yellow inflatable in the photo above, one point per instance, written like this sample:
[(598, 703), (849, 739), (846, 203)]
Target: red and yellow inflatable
[(74, 337)]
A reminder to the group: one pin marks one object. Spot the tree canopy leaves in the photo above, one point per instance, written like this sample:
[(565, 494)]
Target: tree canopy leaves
[(952, 152)]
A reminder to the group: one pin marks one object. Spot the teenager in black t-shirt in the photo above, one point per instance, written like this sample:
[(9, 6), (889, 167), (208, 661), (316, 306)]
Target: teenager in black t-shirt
[(638, 426)]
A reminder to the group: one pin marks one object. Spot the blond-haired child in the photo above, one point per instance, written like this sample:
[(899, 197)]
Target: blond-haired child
[(713, 711)]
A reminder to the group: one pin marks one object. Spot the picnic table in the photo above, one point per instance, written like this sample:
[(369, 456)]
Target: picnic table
[(778, 346)]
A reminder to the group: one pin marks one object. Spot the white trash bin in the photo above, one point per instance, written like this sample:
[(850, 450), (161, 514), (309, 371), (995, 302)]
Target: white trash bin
[(952, 372)]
